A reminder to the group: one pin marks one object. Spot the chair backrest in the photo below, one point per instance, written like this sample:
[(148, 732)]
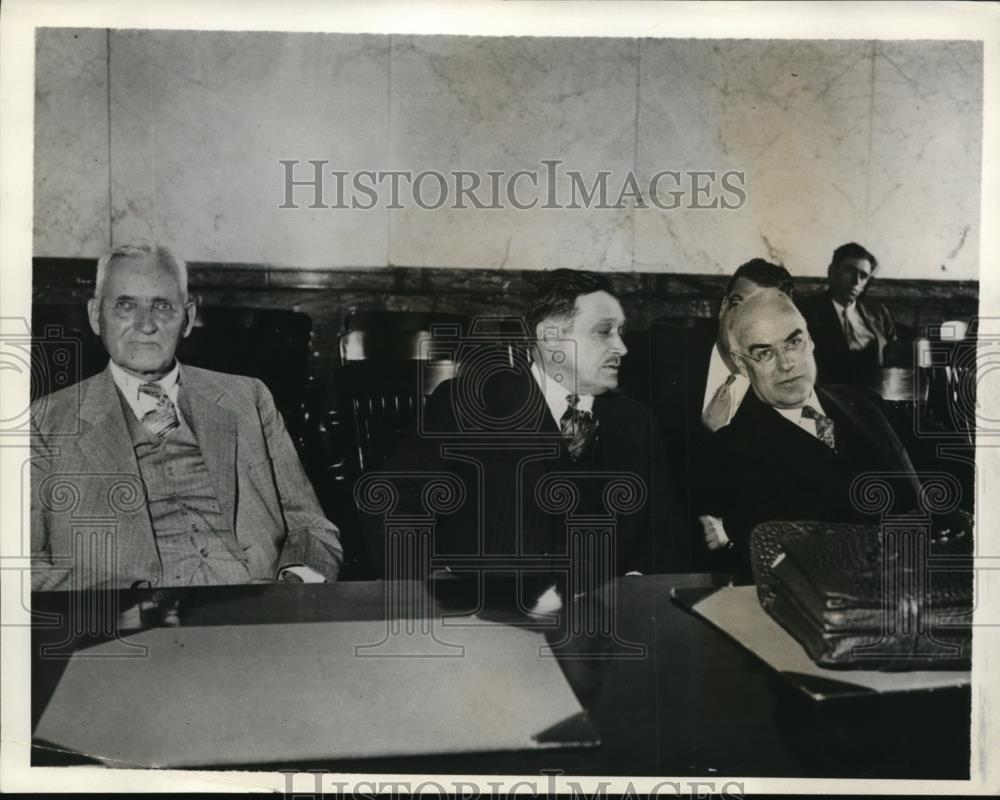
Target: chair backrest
[(391, 362), (272, 345), (64, 350), (680, 349), (395, 335), (378, 401)]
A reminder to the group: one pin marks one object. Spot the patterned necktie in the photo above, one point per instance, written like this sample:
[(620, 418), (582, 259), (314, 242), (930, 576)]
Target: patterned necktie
[(716, 413), (824, 426), (578, 427), (162, 419)]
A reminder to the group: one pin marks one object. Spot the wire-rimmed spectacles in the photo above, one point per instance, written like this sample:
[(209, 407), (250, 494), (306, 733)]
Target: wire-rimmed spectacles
[(766, 356)]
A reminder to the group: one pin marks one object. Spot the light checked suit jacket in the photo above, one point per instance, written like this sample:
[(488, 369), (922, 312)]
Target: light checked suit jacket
[(90, 525)]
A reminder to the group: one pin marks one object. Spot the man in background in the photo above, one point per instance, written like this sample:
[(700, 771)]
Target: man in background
[(186, 476), (851, 333)]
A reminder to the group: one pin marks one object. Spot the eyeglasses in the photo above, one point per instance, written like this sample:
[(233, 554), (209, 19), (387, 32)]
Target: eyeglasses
[(766, 356)]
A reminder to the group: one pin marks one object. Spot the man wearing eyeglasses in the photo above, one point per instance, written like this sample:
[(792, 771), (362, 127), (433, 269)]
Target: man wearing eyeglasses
[(725, 387), (186, 477), (793, 449)]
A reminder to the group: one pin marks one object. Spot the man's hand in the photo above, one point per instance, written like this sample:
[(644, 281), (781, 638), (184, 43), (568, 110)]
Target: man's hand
[(299, 573), (952, 531), (715, 533), (549, 602)]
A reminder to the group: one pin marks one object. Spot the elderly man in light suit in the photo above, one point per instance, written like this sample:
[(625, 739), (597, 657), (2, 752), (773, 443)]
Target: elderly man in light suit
[(155, 473)]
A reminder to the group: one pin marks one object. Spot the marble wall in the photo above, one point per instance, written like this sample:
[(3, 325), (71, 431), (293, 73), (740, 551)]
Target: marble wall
[(72, 168), (179, 135)]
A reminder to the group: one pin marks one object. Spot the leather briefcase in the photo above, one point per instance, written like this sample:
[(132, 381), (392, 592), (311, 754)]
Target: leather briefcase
[(897, 597)]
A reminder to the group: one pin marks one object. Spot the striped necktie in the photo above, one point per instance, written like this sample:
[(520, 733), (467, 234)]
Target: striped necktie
[(578, 427), (719, 408), (162, 419)]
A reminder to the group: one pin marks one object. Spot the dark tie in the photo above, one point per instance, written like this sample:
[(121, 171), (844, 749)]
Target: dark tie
[(716, 413), (824, 426), (162, 419), (578, 427)]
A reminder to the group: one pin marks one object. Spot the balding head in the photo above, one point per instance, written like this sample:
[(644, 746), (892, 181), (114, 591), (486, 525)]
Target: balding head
[(770, 344)]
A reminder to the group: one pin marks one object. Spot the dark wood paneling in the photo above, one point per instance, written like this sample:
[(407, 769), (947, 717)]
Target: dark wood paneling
[(328, 296)]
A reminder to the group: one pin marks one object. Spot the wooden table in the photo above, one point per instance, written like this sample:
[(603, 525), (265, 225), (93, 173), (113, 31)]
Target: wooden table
[(696, 704)]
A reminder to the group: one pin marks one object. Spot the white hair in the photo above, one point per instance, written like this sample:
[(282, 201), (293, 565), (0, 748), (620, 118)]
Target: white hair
[(750, 308), (163, 255)]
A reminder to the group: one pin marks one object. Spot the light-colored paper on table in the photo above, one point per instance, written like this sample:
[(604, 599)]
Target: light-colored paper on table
[(737, 612), (271, 693)]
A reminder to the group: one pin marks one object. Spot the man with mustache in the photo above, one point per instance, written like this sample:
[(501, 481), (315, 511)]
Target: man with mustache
[(851, 333), (793, 449), (514, 431), (154, 473)]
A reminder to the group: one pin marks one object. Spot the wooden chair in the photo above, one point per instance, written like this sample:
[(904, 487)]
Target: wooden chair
[(272, 345), (391, 362)]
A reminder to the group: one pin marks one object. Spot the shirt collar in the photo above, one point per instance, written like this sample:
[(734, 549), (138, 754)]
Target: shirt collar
[(795, 414), (129, 385), (555, 394)]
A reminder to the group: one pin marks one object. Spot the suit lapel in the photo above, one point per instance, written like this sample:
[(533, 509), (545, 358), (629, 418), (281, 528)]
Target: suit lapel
[(789, 443), (873, 324), (520, 395), (845, 409), (105, 441), (215, 429), (518, 399), (106, 447), (615, 434), (832, 324)]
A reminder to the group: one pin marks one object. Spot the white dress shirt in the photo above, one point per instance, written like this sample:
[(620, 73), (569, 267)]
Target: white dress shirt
[(141, 403), (718, 372), (555, 394), (862, 333)]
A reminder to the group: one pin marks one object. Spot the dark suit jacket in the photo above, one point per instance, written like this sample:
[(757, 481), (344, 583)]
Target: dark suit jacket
[(85, 479), (519, 489), (762, 467), (835, 363), (681, 351)]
